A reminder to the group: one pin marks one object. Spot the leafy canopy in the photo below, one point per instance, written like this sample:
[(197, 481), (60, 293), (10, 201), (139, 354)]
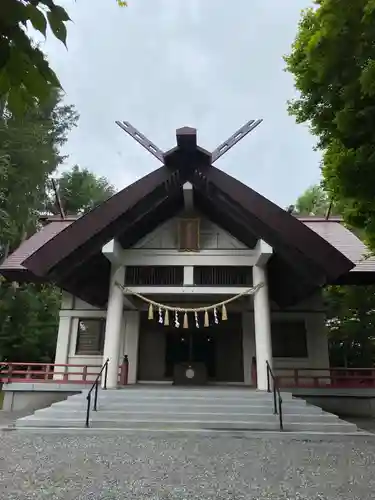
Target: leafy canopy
[(30, 152), (314, 201), (80, 191), (350, 310), (26, 77), (333, 64), (351, 325)]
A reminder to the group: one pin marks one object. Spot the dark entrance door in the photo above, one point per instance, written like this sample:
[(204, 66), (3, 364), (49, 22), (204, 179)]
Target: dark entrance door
[(190, 346)]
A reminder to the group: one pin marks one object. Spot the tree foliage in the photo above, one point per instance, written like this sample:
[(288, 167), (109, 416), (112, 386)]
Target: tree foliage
[(28, 321), (350, 309), (333, 64), (29, 154), (30, 149), (314, 201), (26, 77), (80, 190), (351, 325), (34, 124)]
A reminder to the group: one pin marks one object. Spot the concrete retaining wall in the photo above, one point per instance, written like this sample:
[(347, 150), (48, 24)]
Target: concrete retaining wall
[(342, 402), (23, 396)]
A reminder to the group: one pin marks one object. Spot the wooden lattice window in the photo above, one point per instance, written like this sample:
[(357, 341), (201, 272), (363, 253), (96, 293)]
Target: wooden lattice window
[(223, 276), (188, 235), (154, 276), (90, 336)]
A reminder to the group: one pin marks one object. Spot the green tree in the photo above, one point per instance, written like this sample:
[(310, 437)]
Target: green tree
[(26, 78), (30, 152), (350, 309), (28, 322), (80, 190), (351, 325), (314, 201), (29, 312), (333, 64)]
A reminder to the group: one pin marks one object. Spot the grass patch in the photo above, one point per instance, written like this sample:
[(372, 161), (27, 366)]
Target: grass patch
[(1, 399)]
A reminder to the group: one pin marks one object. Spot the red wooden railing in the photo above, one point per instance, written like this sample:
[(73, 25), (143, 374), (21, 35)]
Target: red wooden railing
[(344, 378), (50, 372), (285, 377)]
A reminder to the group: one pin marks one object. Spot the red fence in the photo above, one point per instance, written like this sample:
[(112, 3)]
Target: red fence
[(345, 378), (286, 377), (59, 373)]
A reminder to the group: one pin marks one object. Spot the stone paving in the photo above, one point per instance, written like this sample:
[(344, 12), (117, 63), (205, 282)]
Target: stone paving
[(92, 465)]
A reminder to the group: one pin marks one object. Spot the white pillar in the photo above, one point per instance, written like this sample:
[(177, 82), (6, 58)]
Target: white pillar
[(62, 346), (131, 343), (63, 335), (262, 322), (112, 342)]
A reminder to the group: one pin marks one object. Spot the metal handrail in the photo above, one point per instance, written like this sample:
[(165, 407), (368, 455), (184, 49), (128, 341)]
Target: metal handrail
[(95, 386), (277, 408)]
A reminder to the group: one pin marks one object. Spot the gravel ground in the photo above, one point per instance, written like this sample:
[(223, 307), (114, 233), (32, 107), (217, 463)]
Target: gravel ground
[(9, 417), (100, 465)]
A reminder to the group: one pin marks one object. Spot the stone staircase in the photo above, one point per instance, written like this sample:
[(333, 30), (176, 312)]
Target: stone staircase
[(183, 408)]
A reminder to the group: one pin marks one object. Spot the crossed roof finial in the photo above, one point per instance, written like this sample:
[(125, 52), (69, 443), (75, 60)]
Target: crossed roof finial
[(187, 139)]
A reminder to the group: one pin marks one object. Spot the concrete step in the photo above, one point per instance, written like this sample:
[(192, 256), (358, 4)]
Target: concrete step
[(177, 415), (168, 424), (186, 409), (186, 389), (183, 408), (185, 400), (185, 394), (181, 392)]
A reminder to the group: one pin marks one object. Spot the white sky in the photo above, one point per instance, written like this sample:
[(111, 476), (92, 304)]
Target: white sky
[(163, 64)]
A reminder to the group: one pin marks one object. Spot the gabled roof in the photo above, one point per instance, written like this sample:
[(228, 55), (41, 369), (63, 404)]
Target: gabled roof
[(302, 262), (13, 267), (348, 244)]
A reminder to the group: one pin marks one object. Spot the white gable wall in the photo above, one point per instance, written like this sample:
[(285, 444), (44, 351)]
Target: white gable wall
[(211, 237)]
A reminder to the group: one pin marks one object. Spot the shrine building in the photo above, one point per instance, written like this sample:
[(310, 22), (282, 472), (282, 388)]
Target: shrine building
[(192, 275)]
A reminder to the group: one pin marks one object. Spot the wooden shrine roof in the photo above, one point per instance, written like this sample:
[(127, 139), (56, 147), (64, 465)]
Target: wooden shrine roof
[(69, 252)]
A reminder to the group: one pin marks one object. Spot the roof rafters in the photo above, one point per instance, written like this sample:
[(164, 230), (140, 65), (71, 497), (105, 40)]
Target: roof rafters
[(99, 221), (293, 231), (147, 206), (248, 222)]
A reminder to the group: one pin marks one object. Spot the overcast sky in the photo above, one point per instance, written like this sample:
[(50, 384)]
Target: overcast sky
[(163, 64)]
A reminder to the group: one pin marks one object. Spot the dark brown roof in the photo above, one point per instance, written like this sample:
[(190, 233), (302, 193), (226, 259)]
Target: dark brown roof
[(54, 218), (15, 260), (331, 230), (302, 259)]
